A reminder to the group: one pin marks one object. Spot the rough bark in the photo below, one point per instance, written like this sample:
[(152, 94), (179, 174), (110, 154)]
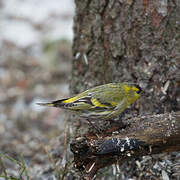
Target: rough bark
[(133, 41), (128, 40), (145, 135)]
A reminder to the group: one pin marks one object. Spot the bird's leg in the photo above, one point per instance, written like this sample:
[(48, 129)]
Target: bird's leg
[(94, 126), (119, 120)]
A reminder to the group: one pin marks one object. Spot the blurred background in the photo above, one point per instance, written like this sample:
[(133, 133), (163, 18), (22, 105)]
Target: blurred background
[(35, 66)]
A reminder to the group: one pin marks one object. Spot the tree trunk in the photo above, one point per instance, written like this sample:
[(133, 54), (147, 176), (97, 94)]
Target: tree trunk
[(128, 41)]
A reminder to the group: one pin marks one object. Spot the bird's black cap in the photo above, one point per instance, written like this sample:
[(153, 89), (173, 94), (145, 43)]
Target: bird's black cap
[(139, 89)]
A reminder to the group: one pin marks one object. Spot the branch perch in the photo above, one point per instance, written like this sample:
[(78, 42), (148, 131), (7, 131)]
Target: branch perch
[(145, 135)]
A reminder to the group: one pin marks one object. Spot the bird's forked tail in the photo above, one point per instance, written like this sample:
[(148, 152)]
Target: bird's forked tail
[(58, 103)]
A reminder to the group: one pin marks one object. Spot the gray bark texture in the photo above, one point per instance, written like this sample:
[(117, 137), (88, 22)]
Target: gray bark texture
[(134, 41)]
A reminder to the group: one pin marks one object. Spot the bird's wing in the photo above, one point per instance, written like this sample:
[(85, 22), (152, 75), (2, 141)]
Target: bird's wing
[(82, 103), (110, 98)]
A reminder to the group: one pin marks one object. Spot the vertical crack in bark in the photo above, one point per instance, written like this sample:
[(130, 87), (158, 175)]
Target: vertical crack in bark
[(105, 43)]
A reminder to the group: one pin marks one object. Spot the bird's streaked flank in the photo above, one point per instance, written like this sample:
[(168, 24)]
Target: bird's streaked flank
[(101, 102)]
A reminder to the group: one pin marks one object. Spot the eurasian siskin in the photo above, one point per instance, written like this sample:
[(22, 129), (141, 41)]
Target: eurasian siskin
[(101, 102)]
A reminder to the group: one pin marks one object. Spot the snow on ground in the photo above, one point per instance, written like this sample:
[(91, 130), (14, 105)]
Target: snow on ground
[(28, 22)]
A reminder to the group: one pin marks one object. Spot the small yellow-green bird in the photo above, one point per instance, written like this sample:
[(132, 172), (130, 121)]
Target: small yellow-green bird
[(101, 102)]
